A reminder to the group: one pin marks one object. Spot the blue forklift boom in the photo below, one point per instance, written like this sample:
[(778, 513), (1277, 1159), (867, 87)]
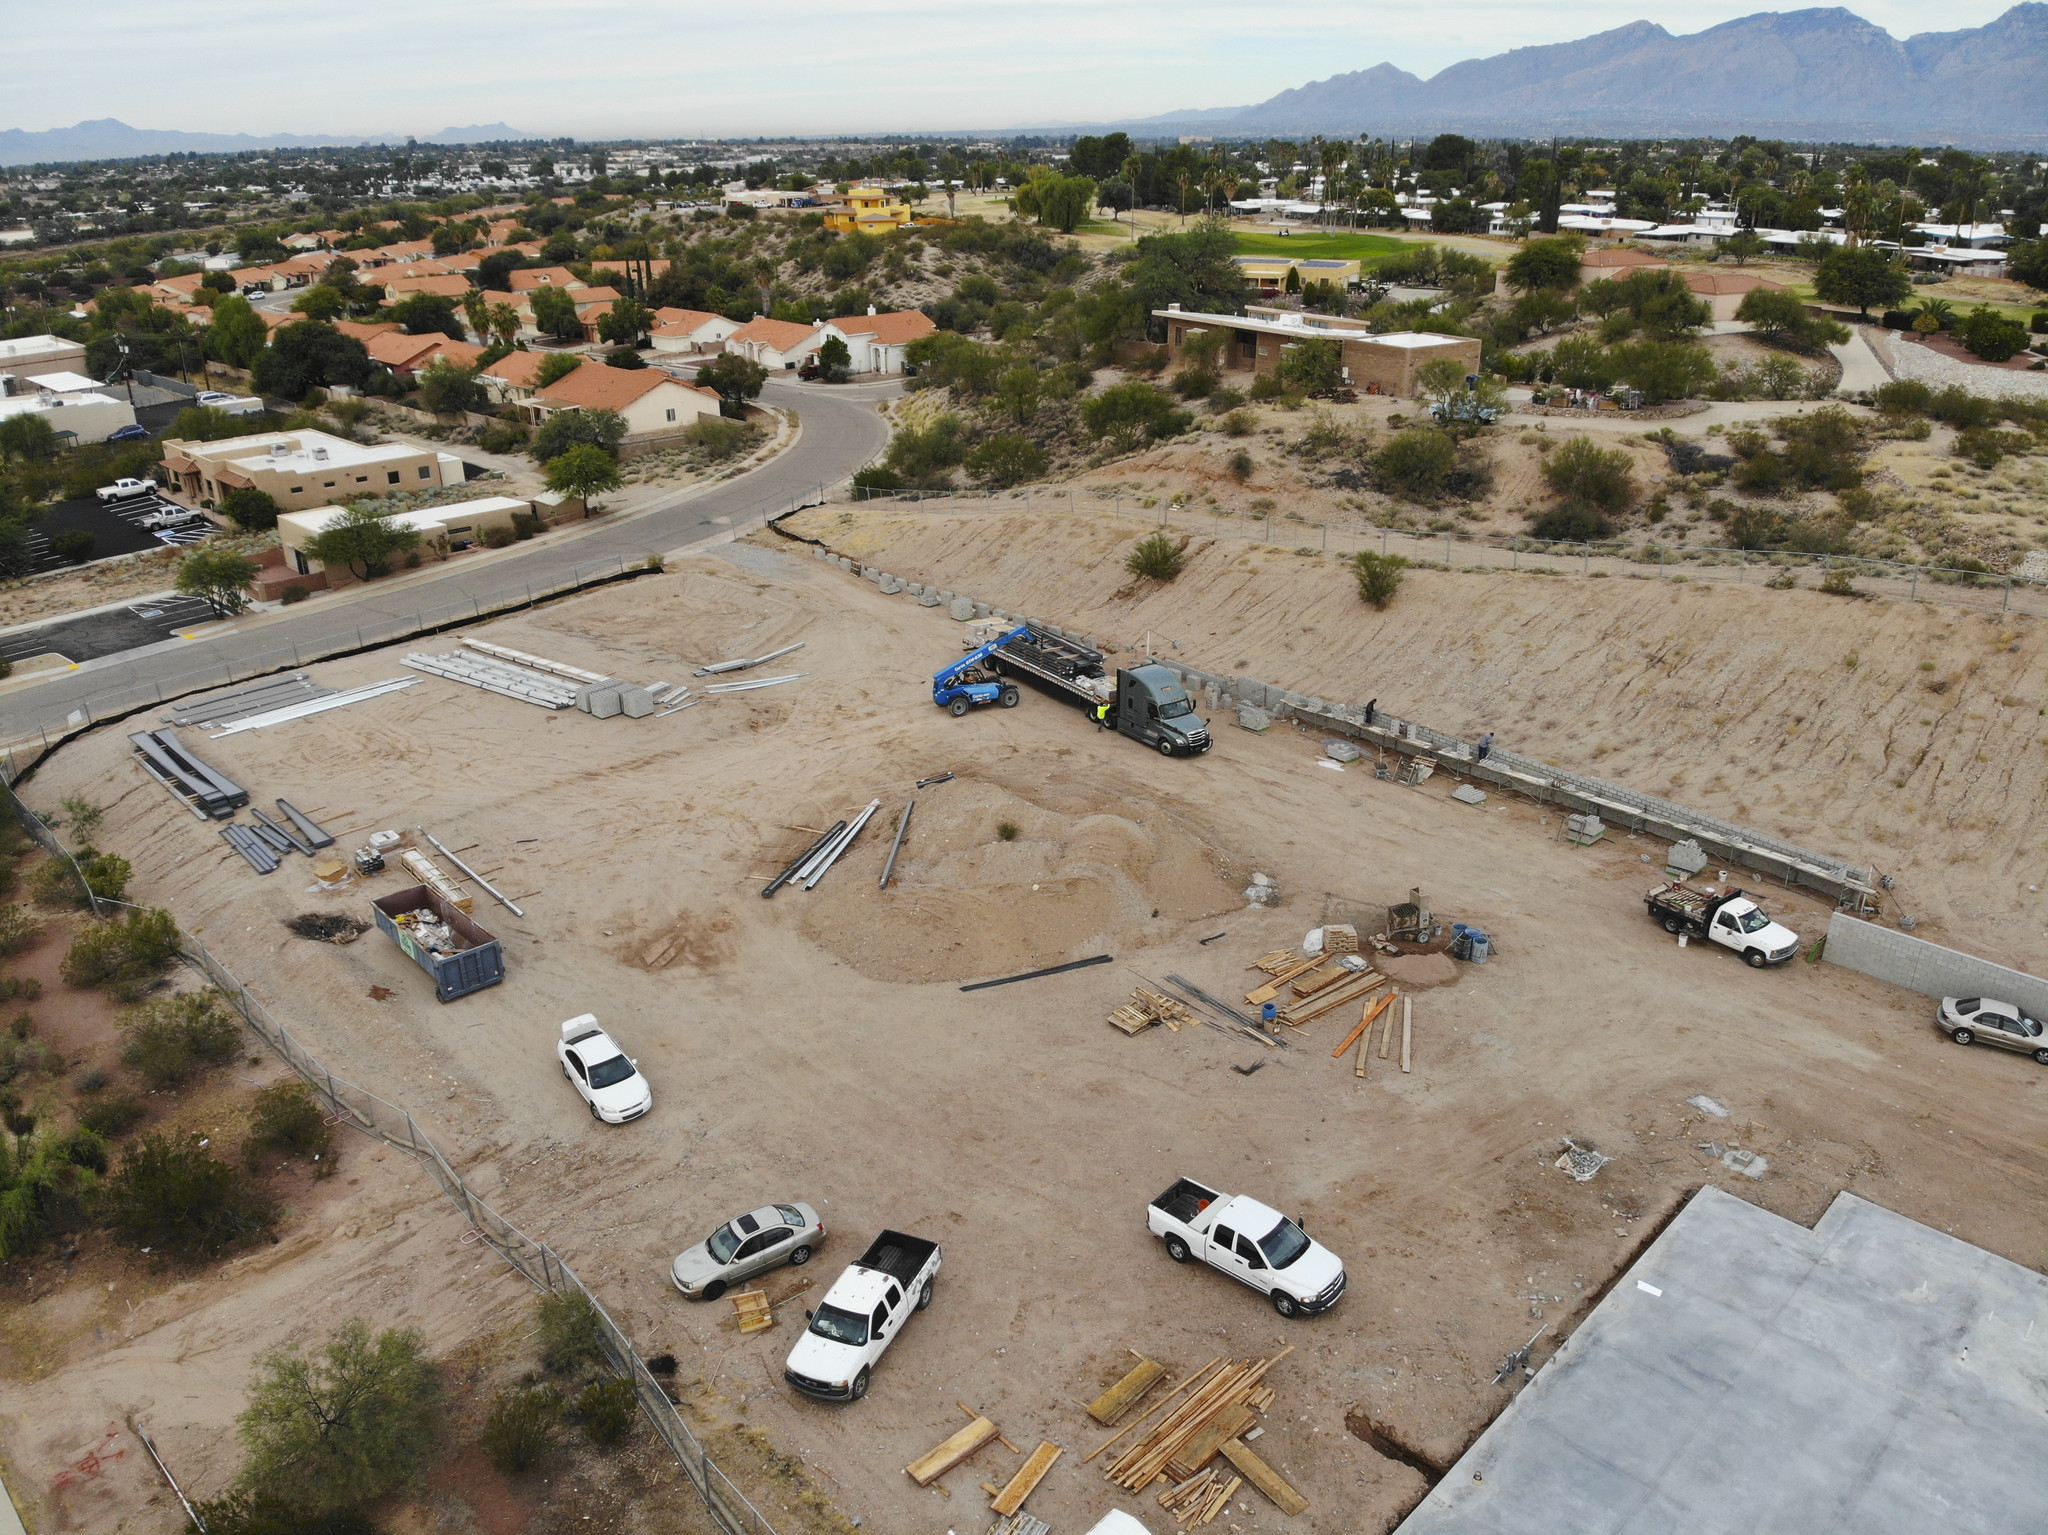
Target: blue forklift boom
[(950, 691)]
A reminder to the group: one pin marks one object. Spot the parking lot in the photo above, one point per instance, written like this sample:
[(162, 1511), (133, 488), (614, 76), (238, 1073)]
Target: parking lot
[(108, 633)]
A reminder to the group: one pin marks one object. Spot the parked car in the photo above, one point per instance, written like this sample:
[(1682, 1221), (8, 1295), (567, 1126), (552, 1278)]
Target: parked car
[(861, 1316), (603, 1075), (129, 434), (125, 490), (1968, 1020), (1253, 1243), (168, 517), (747, 1245), (1726, 917)]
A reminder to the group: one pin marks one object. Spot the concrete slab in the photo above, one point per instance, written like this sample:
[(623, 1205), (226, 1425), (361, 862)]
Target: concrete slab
[(1866, 1376)]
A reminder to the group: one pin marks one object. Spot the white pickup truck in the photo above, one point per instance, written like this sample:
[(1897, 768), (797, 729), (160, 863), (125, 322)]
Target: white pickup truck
[(1726, 917), (860, 1317), (125, 490), (1252, 1243)]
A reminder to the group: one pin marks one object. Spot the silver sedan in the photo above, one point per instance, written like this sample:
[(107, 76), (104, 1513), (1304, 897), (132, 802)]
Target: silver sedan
[(747, 1245)]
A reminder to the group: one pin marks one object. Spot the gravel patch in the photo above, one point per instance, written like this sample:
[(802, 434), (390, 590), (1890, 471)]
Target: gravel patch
[(1912, 360)]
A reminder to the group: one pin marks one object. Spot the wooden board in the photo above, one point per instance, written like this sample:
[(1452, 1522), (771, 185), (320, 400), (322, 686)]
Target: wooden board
[(936, 1462), (1263, 1477), (1202, 1448), (1316, 980), (1119, 1399), (1028, 1476)]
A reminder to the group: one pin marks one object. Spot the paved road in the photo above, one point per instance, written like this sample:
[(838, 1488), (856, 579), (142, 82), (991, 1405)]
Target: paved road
[(842, 430)]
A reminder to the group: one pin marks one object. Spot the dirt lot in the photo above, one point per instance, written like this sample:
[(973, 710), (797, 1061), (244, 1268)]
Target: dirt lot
[(816, 1046)]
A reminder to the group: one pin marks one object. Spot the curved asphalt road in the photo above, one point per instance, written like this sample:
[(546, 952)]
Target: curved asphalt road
[(841, 431)]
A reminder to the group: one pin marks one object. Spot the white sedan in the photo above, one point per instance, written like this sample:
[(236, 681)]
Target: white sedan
[(602, 1074)]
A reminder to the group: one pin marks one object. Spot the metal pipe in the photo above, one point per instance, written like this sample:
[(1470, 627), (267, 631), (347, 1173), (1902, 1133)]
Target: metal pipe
[(896, 846), (489, 888), (762, 682), (818, 857), (802, 858), (832, 854), (742, 665), (191, 1512)]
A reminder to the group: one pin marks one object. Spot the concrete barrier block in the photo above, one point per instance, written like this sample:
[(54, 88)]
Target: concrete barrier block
[(928, 599), (604, 701), (1342, 751), (890, 586), (980, 610), (914, 588), (1251, 718), (962, 609), (635, 703)]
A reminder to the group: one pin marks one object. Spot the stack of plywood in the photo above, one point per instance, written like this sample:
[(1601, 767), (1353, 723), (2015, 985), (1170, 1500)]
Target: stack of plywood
[(1347, 986), (1340, 938)]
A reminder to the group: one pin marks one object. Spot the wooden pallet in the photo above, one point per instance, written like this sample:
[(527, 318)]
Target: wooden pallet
[(755, 1313), (1172, 1013), (1278, 960), (1131, 1018)]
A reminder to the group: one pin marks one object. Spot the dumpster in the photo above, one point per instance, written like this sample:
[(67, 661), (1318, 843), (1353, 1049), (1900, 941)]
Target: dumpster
[(442, 940)]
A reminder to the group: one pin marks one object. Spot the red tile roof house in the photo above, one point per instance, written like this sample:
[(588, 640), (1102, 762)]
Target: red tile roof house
[(657, 407), (877, 340), (528, 278), (776, 344), (513, 376), (690, 331)]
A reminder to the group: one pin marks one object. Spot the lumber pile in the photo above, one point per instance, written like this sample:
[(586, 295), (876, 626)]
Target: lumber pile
[(1219, 1391), (1110, 1407), (1026, 1481), (754, 1312), (1020, 1524), (1277, 961), (1340, 938), (1148, 1007), (1352, 988), (1200, 1498)]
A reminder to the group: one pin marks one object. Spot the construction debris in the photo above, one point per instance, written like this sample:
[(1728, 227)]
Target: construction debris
[(203, 788), (257, 698), (1200, 1498), (803, 859), (755, 1314), (429, 932), (1584, 830), (1148, 1007), (299, 711), (740, 666), (1580, 1162), (1020, 1524), (427, 874), (327, 927), (926, 783), (1188, 1437), (816, 863)]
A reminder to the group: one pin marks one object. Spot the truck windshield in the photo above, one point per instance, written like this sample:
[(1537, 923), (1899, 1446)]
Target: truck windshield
[(840, 1326), (723, 1244), (1752, 921), (1176, 709), (1283, 1244), (611, 1073)]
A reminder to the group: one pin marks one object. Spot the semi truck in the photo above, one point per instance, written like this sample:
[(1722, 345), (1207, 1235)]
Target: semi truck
[(861, 1315), (1146, 703), (1252, 1243), (1726, 917)]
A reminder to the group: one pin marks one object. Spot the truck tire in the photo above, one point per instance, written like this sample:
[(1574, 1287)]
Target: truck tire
[(860, 1384), (1009, 698), (714, 1289), (958, 707), (1286, 1304), (1756, 959), (924, 1296), (1964, 1037), (799, 1256), (1177, 1250), (1673, 925), (1166, 748)]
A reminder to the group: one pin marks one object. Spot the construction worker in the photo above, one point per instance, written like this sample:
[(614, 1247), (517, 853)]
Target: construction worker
[(1102, 715)]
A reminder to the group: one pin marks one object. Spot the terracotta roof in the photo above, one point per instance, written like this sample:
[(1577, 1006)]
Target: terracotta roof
[(364, 333), (781, 335), (1728, 282), (599, 386), (1617, 256), (277, 319), (517, 368), (894, 329), (594, 296), (461, 353), (691, 317), (188, 284), (527, 280), (657, 267), (410, 250), (394, 349), (447, 285)]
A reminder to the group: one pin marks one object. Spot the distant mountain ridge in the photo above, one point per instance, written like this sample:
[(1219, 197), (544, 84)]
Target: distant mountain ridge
[(1814, 74), (108, 138)]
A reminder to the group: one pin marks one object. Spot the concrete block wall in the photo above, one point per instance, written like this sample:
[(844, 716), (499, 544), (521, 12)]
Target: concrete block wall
[(1928, 968)]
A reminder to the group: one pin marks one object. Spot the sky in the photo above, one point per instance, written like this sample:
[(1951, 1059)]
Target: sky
[(636, 68)]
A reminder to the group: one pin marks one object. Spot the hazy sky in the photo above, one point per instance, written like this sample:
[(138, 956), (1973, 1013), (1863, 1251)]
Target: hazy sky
[(625, 68)]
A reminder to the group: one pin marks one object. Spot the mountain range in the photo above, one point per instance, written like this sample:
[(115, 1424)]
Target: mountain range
[(1811, 75), (108, 138)]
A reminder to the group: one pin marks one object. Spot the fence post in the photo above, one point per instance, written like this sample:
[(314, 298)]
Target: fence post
[(1585, 557), (2007, 603), (1383, 540)]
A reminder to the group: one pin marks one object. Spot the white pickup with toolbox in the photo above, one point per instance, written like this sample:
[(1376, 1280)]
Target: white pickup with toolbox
[(1252, 1243), (1726, 917), (861, 1315)]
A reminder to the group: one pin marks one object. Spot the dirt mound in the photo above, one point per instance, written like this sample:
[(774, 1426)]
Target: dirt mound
[(995, 878)]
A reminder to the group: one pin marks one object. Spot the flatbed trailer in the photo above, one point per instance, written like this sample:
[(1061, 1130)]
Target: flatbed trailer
[(1146, 703)]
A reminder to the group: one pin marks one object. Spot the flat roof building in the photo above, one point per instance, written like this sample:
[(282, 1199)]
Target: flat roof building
[(442, 528), (303, 469), (33, 356), (1373, 364)]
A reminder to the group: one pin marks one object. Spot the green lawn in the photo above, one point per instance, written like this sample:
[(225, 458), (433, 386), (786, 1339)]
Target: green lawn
[(1332, 247)]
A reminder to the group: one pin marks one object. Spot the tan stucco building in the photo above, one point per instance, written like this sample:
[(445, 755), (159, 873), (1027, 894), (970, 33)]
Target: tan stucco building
[(1373, 364), (303, 469)]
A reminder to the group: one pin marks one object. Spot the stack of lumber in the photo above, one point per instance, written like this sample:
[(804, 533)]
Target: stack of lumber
[(1020, 1524), (1200, 1498), (1277, 961), (1281, 977), (1340, 938), (1148, 1007), (1111, 1407), (755, 1314), (1189, 1436), (424, 870), (1346, 986)]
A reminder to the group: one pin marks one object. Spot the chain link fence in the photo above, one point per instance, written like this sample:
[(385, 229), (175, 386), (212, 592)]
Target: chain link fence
[(1846, 575), (359, 1109)]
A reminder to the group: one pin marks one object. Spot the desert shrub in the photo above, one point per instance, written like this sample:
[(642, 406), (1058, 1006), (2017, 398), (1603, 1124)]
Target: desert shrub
[(571, 1332), (1237, 424), (1991, 335), (126, 955), (288, 1119), (1839, 583), (1754, 527), (175, 1198), (75, 546), (1582, 471), (111, 1118), (24, 986), (168, 1039), (1156, 557), (1416, 464), (1379, 576), (1574, 522), (46, 1184), (1224, 399), (1957, 407), (1194, 383), (107, 874), (19, 927), (1129, 415), (926, 455), (1823, 451), (83, 817), (877, 477), (605, 1410), (1984, 446), (1240, 466), (717, 438), (1006, 459), (497, 538), (240, 1513), (92, 1079), (334, 1430), (1006, 831), (1904, 397), (292, 594), (521, 1427), (54, 882), (1763, 474)]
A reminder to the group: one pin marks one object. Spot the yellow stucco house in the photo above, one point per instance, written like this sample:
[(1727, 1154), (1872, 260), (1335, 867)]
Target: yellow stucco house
[(869, 209)]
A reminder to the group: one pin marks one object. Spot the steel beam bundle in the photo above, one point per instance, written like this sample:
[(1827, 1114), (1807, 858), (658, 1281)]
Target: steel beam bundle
[(740, 666), (814, 869), (262, 857), (759, 682), (299, 711), (498, 677), (309, 828), (803, 858), (258, 698), (204, 787), (536, 663)]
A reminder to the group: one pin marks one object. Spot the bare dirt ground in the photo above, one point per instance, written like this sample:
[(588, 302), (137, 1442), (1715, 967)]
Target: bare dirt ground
[(816, 1046)]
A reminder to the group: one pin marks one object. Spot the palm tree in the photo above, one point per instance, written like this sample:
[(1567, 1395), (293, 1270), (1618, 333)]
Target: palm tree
[(504, 323), (477, 310)]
